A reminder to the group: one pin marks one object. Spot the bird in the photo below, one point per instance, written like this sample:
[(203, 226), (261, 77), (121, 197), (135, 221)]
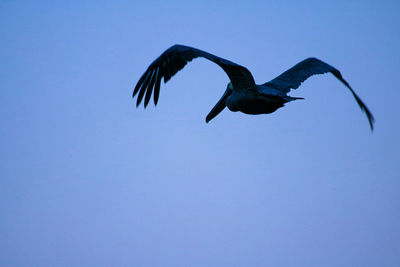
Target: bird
[(242, 93)]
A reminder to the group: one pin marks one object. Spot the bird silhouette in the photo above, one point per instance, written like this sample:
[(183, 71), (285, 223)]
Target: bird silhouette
[(242, 93)]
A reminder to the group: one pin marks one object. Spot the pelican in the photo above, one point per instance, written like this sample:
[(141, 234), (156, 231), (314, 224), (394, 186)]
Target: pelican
[(242, 93)]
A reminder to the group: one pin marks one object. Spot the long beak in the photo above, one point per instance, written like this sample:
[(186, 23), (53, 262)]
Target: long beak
[(221, 104)]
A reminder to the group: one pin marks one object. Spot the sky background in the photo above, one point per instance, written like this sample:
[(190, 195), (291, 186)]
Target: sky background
[(88, 179)]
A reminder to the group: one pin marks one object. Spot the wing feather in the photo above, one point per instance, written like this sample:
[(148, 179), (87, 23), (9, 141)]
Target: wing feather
[(140, 83), (157, 86), (144, 87), (150, 88)]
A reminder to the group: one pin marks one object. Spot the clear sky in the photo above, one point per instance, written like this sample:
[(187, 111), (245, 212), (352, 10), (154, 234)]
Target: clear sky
[(88, 179)]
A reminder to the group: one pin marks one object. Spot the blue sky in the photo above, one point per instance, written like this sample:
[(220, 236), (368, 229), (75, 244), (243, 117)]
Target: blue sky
[(88, 179)]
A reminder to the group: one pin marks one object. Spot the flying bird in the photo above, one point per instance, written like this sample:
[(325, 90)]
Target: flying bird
[(242, 93)]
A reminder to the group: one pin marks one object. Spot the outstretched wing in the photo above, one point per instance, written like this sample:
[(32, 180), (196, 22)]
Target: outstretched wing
[(293, 77), (173, 60)]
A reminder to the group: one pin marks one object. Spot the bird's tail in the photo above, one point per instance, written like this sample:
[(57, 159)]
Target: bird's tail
[(294, 98), (290, 98)]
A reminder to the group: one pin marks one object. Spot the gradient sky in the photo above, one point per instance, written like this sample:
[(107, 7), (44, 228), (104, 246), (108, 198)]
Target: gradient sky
[(88, 179)]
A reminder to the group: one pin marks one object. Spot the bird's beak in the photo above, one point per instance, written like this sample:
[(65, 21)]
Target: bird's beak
[(221, 104)]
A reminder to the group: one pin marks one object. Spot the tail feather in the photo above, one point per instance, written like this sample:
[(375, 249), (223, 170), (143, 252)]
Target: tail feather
[(290, 98)]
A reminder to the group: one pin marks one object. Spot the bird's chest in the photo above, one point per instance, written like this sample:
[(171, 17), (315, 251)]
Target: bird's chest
[(240, 101)]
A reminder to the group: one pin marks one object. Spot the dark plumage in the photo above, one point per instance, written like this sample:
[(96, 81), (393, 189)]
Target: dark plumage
[(242, 93)]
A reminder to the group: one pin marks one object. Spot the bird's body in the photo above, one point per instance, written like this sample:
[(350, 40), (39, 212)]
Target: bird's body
[(242, 93), (258, 99)]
